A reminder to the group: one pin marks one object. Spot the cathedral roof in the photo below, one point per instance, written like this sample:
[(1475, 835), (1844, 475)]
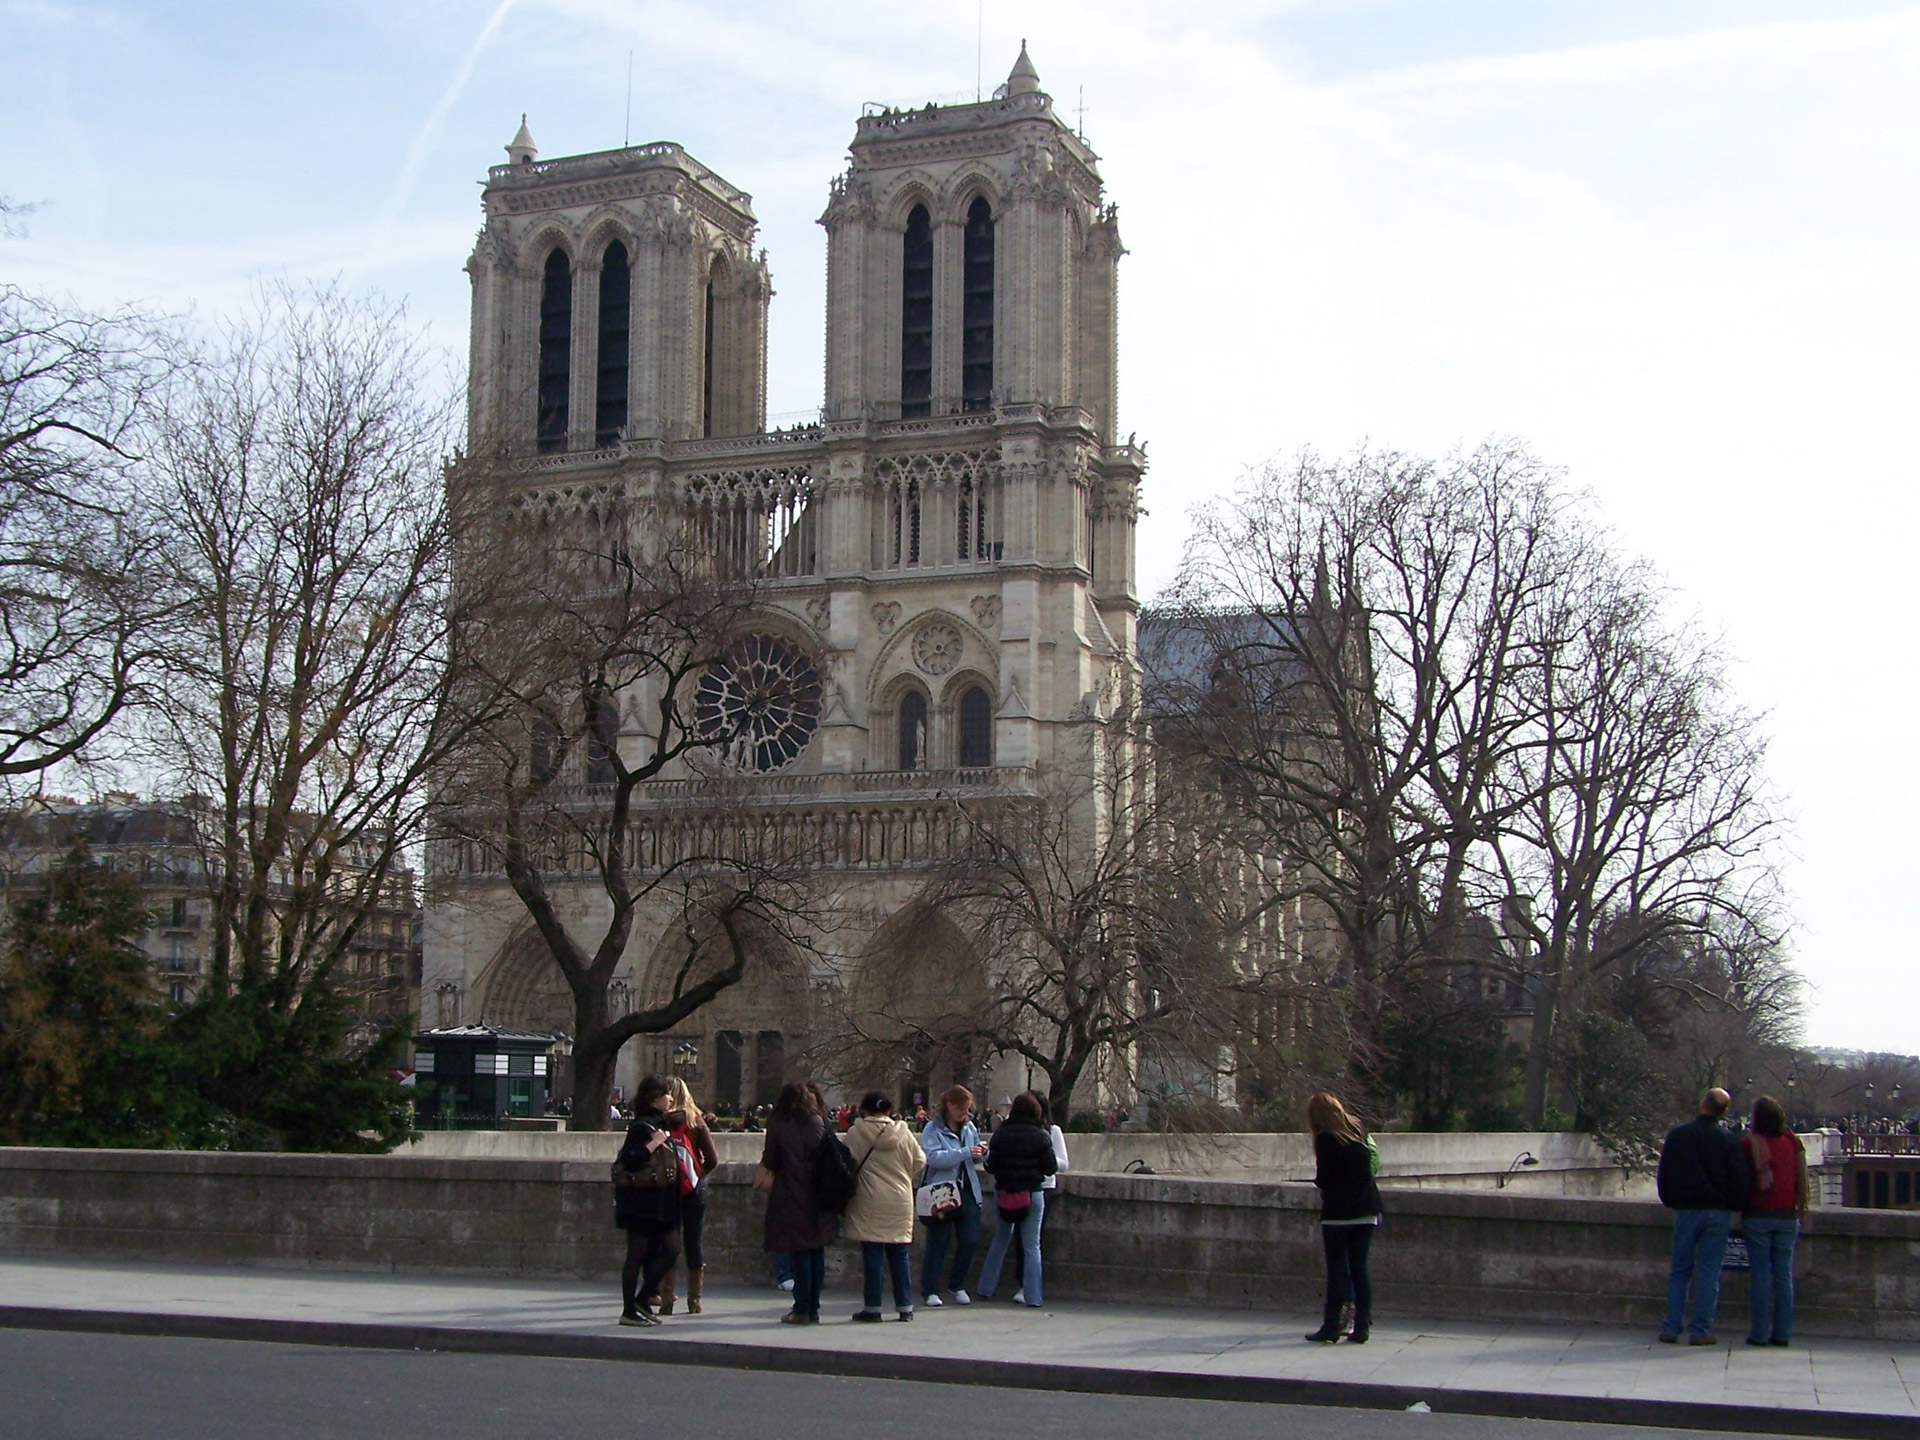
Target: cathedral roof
[(1023, 79)]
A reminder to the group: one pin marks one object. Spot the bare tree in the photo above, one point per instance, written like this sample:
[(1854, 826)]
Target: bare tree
[(80, 591), (1637, 815), (1118, 943), (308, 663), (1359, 633), (586, 633), (1439, 693)]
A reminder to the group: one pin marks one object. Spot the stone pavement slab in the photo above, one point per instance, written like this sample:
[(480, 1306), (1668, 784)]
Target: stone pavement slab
[(1600, 1373)]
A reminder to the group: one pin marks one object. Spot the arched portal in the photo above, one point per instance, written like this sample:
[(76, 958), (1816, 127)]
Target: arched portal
[(522, 989), (915, 1010), (740, 1047)]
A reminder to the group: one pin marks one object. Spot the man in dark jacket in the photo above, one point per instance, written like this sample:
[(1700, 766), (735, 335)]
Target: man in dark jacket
[(1703, 1179)]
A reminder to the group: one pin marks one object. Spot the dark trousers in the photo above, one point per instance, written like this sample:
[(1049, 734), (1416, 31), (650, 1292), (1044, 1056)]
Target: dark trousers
[(693, 1226), (809, 1277), (650, 1255), (963, 1234), (875, 1260), (1347, 1277)]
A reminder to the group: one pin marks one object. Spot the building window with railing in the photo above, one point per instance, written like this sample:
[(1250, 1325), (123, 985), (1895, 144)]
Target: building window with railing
[(916, 315), (556, 347)]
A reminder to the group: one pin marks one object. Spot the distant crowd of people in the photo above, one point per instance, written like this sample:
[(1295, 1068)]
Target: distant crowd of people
[(874, 1185), (871, 1188)]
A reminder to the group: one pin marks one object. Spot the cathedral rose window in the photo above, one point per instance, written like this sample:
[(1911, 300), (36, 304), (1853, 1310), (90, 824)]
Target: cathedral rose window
[(765, 699)]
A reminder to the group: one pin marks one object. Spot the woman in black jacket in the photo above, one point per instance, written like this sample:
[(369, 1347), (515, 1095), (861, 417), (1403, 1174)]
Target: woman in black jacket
[(1349, 1213), (649, 1210), (796, 1226), (1019, 1157)]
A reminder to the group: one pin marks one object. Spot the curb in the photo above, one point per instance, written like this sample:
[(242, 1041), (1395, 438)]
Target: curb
[(999, 1374)]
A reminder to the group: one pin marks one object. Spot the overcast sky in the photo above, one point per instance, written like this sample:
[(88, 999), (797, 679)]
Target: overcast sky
[(1673, 245)]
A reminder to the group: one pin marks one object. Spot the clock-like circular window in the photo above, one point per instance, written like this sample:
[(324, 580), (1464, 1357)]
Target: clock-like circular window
[(762, 703)]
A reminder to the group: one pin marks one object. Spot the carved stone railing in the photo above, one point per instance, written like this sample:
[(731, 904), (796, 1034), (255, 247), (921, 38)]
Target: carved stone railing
[(613, 162)]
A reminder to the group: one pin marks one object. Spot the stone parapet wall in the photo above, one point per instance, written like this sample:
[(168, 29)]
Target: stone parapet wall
[(1118, 1238)]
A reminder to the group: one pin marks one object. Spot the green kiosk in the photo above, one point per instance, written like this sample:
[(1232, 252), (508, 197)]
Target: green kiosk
[(480, 1074)]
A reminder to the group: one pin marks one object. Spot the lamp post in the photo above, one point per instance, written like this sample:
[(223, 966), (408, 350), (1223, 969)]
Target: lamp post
[(686, 1058)]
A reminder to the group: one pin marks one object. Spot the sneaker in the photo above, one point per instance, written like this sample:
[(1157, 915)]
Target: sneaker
[(1703, 1340), (870, 1317), (1780, 1344), (786, 1285), (793, 1317), (961, 1297), (934, 1302), (1020, 1297), (906, 1314), (1666, 1339)]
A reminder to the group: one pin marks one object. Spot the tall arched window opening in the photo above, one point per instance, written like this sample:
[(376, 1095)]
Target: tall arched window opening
[(916, 316), (706, 402), (913, 730), (603, 741), (541, 762), (556, 351), (610, 397), (976, 312), (976, 728)]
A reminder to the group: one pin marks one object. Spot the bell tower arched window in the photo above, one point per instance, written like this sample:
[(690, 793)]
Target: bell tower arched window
[(610, 395), (603, 742), (913, 730), (976, 728), (556, 349), (976, 309), (916, 315)]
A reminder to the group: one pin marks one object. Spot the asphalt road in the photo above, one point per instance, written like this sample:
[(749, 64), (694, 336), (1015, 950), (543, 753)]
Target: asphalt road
[(58, 1386)]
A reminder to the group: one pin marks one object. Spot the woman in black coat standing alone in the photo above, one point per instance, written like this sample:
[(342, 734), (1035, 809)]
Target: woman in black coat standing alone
[(795, 1224), (646, 1201), (1349, 1213)]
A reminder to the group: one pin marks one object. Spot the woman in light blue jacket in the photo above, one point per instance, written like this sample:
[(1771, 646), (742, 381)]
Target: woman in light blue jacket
[(953, 1147)]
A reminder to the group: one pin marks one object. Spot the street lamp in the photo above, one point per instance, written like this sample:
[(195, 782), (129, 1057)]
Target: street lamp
[(1525, 1159), (686, 1057)]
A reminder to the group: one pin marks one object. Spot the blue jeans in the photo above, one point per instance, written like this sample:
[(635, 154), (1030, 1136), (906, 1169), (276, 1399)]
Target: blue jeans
[(1699, 1247), (809, 1277), (782, 1267), (1770, 1241), (1028, 1226), (876, 1258), (963, 1232)]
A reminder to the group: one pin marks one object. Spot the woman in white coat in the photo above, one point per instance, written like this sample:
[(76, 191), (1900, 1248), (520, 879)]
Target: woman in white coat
[(880, 1215)]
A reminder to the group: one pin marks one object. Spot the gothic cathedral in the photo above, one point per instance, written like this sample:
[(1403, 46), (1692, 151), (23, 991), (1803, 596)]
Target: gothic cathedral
[(953, 535)]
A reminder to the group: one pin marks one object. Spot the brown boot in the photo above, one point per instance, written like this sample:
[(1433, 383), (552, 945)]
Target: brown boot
[(666, 1294), (696, 1283)]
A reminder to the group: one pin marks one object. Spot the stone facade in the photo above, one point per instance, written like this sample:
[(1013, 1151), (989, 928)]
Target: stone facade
[(954, 534)]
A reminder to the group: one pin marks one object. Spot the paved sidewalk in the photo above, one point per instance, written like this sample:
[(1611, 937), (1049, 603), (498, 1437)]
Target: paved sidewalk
[(1599, 1373)]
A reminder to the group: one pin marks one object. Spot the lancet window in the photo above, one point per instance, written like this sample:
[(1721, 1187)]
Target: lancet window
[(556, 350), (976, 727), (610, 397), (916, 315), (913, 730), (976, 309)]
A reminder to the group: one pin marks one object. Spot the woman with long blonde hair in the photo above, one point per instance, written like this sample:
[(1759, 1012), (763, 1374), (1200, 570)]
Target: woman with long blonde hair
[(1344, 1163), (687, 1125)]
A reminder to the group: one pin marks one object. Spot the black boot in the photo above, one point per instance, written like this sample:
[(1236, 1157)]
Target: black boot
[(1362, 1328), (1329, 1330)]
